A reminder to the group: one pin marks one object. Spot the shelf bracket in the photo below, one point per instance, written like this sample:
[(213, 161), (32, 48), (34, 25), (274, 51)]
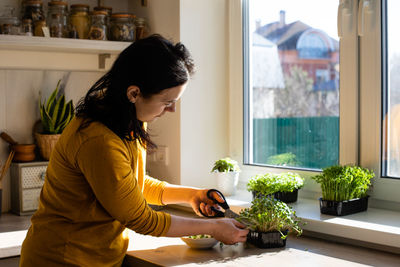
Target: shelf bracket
[(102, 60)]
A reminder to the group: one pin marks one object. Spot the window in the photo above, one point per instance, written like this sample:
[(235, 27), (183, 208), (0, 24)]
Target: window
[(363, 66), (391, 92), (293, 83)]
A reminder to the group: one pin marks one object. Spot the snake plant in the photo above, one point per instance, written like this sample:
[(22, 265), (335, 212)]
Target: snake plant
[(55, 114)]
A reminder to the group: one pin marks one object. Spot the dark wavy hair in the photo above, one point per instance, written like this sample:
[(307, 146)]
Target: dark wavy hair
[(153, 64)]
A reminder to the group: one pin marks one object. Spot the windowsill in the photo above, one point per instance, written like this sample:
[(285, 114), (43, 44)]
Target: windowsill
[(375, 228)]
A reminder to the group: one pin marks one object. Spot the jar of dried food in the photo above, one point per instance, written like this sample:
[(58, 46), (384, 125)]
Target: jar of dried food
[(140, 28), (98, 28), (57, 18), (27, 27), (122, 27), (33, 9), (79, 21), (38, 27), (106, 9), (9, 25)]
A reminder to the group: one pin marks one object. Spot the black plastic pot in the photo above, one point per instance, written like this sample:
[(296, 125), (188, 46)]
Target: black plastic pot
[(287, 197), (266, 240), (341, 208)]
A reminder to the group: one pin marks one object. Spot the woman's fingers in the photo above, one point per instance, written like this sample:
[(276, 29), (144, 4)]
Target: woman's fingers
[(206, 209), (239, 224)]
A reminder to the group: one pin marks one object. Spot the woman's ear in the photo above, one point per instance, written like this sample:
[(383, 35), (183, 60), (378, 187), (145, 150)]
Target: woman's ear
[(132, 93)]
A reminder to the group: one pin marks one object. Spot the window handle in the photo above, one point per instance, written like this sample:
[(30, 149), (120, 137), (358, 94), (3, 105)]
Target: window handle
[(364, 6), (344, 8)]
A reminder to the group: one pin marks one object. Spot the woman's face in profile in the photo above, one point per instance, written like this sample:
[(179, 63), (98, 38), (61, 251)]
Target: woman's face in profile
[(149, 109)]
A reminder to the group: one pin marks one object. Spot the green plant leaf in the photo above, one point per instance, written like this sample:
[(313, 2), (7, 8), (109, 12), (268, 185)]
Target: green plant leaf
[(56, 113), (340, 183), (268, 214), (226, 165)]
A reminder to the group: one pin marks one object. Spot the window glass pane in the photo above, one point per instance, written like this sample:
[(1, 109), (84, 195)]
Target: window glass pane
[(293, 76), (391, 133)]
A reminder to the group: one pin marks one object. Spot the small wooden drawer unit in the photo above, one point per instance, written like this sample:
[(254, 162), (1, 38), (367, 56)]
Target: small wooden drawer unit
[(26, 183)]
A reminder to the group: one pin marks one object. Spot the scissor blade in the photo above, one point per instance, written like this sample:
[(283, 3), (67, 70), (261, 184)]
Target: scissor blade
[(230, 214)]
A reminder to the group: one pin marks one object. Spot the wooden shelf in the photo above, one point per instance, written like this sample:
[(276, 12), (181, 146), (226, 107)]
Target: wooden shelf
[(26, 52), (33, 43)]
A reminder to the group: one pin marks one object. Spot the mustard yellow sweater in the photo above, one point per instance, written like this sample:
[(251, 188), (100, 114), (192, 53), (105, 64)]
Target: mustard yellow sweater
[(95, 188)]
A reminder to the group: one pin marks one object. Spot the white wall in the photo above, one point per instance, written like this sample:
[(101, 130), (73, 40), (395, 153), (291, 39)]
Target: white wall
[(204, 106), (163, 18), (197, 133)]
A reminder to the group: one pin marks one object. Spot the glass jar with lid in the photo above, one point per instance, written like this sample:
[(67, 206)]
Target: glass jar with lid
[(140, 28), (9, 23), (26, 27), (106, 9), (98, 28), (79, 21), (122, 27), (57, 18), (33, 9)]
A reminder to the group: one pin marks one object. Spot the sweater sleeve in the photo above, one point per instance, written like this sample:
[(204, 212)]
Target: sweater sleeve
[(153, 190), (105, 163)]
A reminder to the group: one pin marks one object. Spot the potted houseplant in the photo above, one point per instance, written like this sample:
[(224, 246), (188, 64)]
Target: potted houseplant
[(344, 189), (282, 186), (269, 221), (55, 114), (227, 172)]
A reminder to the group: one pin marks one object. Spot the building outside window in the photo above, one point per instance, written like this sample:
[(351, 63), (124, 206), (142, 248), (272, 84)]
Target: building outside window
[(293, 84)]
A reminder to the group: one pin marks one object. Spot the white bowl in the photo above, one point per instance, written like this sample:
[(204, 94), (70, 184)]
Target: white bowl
[(200, 243)]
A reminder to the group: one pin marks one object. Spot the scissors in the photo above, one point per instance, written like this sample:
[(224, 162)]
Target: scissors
[(219, 213)]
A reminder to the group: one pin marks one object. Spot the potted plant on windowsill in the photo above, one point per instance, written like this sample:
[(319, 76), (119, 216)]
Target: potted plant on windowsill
[(270, 221), (282, 186), (55, 114), (227, 171), (344, 189)]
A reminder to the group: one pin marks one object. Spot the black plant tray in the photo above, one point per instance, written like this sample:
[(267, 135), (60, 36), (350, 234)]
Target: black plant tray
[(341, 208), (266, 240), (287, 197)]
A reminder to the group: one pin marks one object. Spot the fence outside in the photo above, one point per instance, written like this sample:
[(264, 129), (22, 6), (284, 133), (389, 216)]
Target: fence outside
[(309, 142)]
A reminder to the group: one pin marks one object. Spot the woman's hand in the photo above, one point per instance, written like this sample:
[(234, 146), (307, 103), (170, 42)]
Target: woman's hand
[(229, 231), (200, 201)]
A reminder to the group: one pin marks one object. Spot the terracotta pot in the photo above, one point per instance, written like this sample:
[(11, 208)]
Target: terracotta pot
[(23, 152), (46, 143)]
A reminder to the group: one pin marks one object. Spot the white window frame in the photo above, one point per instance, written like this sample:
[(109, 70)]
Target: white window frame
[(360, 89)]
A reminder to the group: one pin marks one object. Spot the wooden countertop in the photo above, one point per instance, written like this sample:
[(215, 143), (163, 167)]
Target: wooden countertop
[(302, 251), (163, 251), (299, 251)]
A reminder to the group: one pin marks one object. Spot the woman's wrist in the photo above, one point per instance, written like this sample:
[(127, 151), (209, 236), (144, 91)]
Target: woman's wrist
[(174, 194)]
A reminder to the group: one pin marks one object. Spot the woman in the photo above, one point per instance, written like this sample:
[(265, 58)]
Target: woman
[(95, 184)]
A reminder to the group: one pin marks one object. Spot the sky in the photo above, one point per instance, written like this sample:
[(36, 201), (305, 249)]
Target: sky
[(393, 26), (320, 14), (305, 10)]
